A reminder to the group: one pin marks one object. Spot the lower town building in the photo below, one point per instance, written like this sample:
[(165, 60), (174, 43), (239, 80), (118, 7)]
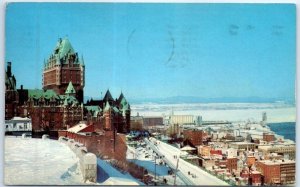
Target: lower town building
[(268, 137), (255, 178), (193, 136), (250, 160), (204, 150), (182, 119), (277, 171), (136, 123), (282, 149), (232, 164), (174, 130), (242, 145), (152, 121)]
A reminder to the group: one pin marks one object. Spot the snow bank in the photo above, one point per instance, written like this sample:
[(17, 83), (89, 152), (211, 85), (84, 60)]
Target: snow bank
[(45, 136), (53, 163), (36, 162)]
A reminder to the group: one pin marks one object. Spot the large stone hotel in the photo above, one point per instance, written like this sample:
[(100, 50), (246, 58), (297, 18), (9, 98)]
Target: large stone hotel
[(60, 105)]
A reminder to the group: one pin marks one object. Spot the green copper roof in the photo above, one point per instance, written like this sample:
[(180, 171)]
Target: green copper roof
[(126, 107), (107, 106), (70, 89), (115, 109), (49, 94), (123, 102), (63, 47), (93, 108), (35, 94), (70, 100)]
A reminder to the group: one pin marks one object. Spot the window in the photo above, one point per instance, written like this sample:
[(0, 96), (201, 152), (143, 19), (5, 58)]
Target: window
[(25, 125), (14, 125)]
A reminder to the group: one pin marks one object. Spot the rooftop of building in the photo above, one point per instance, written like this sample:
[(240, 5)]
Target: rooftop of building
[(242, 143), (277, 162)]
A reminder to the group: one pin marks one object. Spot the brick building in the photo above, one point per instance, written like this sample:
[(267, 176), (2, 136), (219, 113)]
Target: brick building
[(268, 137), (64, 66), (109, 113), (232, 164), (150, 121), (11, 94), (255, 178), (193, 137), (250, 160), (277, 171), (136, 123), (49, 110)]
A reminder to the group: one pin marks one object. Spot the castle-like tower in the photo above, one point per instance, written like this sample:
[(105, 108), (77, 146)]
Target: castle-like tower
[(64, 66)]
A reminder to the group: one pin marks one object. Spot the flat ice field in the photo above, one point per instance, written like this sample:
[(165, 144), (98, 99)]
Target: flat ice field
[(31, 161), (276, 112)]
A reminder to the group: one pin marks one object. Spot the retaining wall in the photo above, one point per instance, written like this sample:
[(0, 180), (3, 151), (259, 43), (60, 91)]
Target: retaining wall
[(88, 161)]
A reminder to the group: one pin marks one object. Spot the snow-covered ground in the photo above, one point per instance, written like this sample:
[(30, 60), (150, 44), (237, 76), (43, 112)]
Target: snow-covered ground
[(32, 161), (276, 112), (202, 177), (108, 175), (145, 157)]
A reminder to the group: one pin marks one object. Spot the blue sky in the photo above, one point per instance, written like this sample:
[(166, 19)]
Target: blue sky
[(161, 50)]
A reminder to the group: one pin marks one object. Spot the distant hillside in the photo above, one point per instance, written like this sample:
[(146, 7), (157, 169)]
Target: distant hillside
[(193, 99)]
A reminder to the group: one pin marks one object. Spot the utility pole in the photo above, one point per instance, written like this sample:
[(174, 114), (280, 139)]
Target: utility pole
[(155, 167), (176, 171)]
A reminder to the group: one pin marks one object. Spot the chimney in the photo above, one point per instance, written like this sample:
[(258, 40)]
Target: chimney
[(8, 69), (22, 87)]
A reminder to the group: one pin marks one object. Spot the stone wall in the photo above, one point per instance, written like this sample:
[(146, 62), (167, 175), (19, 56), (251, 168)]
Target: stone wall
[(103, 144), (88, 161)]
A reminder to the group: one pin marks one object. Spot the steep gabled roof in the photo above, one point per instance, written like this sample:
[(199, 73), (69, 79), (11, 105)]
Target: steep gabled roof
[(108, 96), (123, 102), (70, 89), (120, 97), (63, 47), (107, 106)]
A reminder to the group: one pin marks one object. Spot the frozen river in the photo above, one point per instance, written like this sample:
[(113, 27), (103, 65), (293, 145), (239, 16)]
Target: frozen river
[(276, 112)]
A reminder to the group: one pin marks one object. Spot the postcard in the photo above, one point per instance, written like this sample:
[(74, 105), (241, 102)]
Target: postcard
[(150, 94)]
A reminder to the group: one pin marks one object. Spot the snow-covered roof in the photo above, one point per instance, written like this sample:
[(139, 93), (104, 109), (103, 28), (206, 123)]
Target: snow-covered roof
[(20, 118), (187, 148), (77, 128)]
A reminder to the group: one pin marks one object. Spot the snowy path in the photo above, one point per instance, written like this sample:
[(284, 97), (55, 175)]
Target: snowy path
[(145, 157), (108, 175), (203, 178)]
